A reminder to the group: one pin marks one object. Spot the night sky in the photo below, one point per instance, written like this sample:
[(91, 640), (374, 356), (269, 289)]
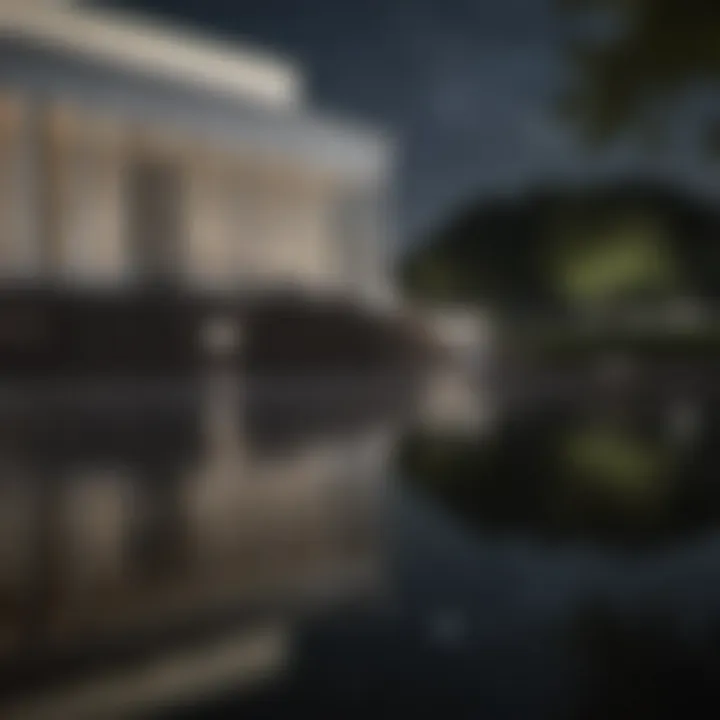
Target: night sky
[(467, 87)]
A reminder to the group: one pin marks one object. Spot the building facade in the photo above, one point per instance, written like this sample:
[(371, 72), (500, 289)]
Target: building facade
[(132, 156)]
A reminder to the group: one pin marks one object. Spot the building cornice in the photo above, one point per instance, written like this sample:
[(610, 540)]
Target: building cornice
[(150, 47)]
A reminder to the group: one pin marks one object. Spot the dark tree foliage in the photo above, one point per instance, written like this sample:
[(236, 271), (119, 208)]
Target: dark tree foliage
[(636, 61), (506, 252)]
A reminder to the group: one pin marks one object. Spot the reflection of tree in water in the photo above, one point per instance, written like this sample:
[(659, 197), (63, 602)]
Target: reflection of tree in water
[(621, 472), (559, 475), (642, 667)]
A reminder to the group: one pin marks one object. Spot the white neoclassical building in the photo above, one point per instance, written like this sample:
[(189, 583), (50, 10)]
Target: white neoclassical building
[(135, 155)]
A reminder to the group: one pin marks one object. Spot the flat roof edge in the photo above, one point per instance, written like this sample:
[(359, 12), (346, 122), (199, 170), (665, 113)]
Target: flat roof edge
[(146, 45)]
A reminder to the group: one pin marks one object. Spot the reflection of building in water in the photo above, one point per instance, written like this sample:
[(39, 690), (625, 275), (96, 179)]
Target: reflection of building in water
[(454, 401), (237, 661), (164, 540), (465, 334)]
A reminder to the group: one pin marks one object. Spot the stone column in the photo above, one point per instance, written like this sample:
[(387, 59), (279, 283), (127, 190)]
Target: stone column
[(363, 238), (211, 212), (86, 219), (21, 189)]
